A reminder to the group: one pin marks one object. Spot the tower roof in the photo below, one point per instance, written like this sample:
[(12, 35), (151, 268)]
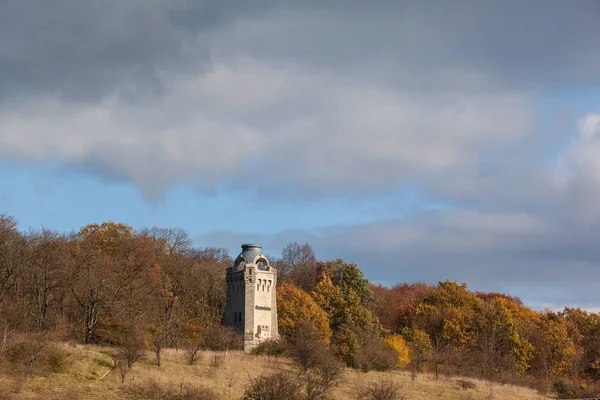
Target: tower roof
[(248, 254)]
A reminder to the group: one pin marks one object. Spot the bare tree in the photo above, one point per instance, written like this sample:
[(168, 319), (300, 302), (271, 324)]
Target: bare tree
[(298, 265), (12, 254), (46, 278)]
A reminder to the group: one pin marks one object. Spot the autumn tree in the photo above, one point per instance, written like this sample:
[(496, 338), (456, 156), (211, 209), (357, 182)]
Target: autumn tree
[(296, 310), (556, 345), (352, 324), (349, 278), (497, 345), (400, 347), (114, 270), (395, 306), (584, 329)]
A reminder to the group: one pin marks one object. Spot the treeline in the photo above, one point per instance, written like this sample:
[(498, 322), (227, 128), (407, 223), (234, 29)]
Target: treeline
[(108, 283), (443, 329)]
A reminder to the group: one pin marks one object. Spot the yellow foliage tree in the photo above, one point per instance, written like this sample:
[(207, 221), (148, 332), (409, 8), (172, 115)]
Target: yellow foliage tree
[(295, 308), (400, 347)]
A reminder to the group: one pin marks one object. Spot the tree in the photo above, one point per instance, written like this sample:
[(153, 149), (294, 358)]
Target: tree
[(46, 276), (497, 343), (114, 271), (420, 348), (193, 340), (130, 349), (353, 325), (348, 277), (431, 320), (12, 254), (329, 297), (155, 340), (557, 347), (298, 266), (395, 307), (584, 329), (400, 348), (297, 311)]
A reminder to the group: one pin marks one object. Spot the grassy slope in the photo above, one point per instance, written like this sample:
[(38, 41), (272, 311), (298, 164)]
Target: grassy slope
[(80, 379)]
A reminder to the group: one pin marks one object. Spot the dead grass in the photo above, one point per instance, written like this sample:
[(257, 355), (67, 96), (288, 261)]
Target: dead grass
[(227, 378)]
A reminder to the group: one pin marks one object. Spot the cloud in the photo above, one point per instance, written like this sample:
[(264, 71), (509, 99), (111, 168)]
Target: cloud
[(307, 130), (315, 98)]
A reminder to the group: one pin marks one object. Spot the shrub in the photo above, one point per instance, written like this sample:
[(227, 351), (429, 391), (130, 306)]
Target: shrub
[(382, 390), (129, 351), (276, 386), (276, 348), (464, 384), (217, 360), (223, 339), (376, 355), (306, 349), (192, 354)]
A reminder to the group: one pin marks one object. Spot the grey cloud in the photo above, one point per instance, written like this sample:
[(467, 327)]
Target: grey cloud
[(460, 45), (84, 49), (343, 97)]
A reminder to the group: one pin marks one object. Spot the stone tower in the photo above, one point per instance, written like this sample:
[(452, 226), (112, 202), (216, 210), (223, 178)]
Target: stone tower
[(251, 305)]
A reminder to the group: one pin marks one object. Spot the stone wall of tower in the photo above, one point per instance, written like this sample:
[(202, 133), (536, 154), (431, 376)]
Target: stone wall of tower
[(251, 305)]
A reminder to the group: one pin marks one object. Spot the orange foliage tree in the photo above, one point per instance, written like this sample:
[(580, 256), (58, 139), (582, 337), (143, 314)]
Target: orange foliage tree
[(295, 309)]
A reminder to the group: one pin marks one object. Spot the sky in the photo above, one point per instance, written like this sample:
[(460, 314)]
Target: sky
[(422, 140)]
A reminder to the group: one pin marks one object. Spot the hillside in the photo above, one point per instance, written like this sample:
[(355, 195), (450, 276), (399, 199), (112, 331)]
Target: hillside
[(87, 374)]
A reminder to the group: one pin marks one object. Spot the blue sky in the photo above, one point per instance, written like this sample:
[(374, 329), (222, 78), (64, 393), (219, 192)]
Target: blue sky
[(421, 140)]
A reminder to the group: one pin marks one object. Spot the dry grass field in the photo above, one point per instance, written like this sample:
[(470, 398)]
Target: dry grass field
[(87, 374)]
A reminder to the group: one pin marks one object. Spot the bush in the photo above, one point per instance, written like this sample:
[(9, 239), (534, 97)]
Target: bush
[(129, 351), (382, 390), (223, 339), (217, 360), (464, 384), (192, 354), (376, 355), (276, 386), (306, 349), (320, 369), (276, 348)]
